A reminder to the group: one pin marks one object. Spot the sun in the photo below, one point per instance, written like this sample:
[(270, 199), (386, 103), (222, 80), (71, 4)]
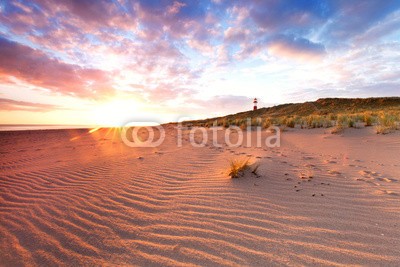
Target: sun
[(115, 112)]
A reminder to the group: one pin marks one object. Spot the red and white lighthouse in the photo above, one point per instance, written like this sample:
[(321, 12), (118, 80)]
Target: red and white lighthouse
[(255, 104)]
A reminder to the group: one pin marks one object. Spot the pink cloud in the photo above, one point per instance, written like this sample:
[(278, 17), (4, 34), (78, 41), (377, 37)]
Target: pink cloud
[(235, 34), (10, 105), (297, 48), (35, 67)]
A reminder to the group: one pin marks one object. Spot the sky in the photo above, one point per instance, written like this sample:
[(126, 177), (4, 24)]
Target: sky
[(114, 62)]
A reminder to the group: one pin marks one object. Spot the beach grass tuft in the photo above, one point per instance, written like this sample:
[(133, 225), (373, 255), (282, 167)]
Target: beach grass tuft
[(237, 167)]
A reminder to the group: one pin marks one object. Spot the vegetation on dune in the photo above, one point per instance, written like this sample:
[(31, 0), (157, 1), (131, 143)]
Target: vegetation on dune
[(338, 129), (237, 167), (387, 123), (339, 113)]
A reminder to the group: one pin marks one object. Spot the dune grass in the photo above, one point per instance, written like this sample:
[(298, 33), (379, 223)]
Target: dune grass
[(238, 167), (387, 123), (338, 129)]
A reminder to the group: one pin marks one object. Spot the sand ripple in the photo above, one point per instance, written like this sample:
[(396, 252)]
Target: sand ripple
[(96, 204)]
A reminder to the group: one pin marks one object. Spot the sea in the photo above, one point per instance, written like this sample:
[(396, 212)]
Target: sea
[(30, 127)]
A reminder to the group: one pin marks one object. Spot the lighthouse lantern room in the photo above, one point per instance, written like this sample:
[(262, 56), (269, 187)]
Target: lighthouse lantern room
[(255, 104)]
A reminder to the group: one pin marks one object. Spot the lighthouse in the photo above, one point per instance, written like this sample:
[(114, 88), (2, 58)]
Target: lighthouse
[(255, 104)]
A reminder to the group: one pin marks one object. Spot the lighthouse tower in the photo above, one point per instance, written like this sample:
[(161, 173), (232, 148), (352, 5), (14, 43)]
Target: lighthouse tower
[(255, 104)]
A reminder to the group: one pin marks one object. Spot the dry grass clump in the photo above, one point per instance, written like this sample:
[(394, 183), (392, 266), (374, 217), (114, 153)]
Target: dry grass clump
[(380, 129), (338, 129), (238, 167), (243, 126), (291, 123), (368, 119), (267, 123), (387, 124)]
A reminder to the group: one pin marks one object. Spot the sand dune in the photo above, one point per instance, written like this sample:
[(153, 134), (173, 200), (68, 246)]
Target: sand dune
[(68, 197)]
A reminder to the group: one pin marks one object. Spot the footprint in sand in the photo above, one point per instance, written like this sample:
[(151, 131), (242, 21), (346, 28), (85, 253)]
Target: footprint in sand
[(386, 180), (388, 192), (367, 181), (368, 174), (309, 165), (374, 183), (333, 172)]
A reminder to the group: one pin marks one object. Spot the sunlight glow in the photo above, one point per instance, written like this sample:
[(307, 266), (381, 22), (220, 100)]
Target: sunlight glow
[(115, 112), (94, 130)]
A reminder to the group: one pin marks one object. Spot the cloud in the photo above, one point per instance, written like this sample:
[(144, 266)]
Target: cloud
[(354, 18), (165, 92), (94, 14), (391, 24), (167, 50), (35, 67), (295, 14), (371, 90), (236, 34), (11, 105), (296, 47)]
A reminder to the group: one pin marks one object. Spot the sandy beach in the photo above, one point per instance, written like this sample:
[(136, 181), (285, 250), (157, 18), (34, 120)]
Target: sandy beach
[(199, 133), (74, 197)]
